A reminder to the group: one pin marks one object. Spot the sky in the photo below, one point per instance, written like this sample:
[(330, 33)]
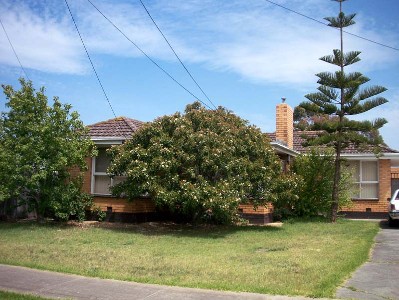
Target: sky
[(245, 55)]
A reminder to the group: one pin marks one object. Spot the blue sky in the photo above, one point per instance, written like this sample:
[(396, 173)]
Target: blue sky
[(245, 55)]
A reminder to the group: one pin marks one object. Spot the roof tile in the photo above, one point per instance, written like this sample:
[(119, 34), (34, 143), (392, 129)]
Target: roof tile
[(299, 140), (122, 127)]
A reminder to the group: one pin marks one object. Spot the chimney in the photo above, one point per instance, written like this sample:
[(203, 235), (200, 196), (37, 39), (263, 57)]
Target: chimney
[(285, 124)]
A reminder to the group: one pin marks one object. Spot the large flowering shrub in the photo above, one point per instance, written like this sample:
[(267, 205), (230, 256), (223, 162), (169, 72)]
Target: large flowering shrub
[(201, 164)]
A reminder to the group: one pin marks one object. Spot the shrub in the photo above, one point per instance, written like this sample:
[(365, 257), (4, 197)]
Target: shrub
[(316, 170), (201, 164)]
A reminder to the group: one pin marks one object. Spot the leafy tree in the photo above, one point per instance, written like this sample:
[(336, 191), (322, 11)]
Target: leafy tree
[(41, 147), (201, 165), (316, 168), (340, 95)]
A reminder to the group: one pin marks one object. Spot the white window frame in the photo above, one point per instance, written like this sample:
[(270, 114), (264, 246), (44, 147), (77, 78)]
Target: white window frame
[(93, 178), (360, 182)]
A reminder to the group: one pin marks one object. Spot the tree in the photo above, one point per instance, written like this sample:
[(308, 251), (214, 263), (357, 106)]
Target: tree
[(201, 165), (316, 169), (339, 96), (42, 147)]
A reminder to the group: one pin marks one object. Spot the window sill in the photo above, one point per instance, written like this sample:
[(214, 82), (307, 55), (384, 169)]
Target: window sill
[(102, 195), (365, 199), (111, 196)]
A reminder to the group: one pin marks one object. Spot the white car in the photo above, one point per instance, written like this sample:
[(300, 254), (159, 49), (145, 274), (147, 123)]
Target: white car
[(393, 209)]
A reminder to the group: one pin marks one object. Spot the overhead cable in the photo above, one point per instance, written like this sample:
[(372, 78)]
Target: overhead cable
[(13, 49), (148, 57), (323, 23), (177, 56), (91, 62), (95, 72)]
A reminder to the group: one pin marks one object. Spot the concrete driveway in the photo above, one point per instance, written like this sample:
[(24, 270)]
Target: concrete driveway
[(379, 278)]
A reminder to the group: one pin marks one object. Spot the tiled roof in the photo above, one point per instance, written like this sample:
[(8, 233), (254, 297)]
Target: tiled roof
[(299, 140), (122, 127), (351, 149)]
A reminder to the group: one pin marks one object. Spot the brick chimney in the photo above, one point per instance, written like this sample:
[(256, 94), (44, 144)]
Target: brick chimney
[(285, 124)]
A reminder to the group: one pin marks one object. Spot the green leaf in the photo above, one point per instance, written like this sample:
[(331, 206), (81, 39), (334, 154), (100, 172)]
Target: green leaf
[(40, 144), (201, 165)]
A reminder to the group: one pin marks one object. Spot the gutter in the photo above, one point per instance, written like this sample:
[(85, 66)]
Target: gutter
[(284, 149), (370, 156), (107, 140)]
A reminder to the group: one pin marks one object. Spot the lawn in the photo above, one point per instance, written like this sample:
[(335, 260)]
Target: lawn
[(14, 296), (300, 258)]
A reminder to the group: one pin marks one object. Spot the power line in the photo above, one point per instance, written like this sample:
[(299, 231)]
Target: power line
[(13, 49), (148, 57), (177, 56), (91, 62), (315, 20), (94, 69)]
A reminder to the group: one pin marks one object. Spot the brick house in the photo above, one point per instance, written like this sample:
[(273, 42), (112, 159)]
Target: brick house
[(375, 177), (97, 182)]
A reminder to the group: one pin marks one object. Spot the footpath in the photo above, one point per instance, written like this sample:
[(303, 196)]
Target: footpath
[(66, 286)]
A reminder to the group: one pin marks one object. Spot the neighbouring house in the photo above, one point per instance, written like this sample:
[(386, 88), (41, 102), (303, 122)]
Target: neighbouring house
[(374, 177)]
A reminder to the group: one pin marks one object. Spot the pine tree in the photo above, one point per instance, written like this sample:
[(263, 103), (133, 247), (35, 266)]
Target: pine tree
[(340, 95)]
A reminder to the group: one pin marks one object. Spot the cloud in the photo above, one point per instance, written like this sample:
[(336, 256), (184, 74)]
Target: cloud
[(44, 44), (45, 38), (259, 41), (104, 38), (389, 111), (267, 44)]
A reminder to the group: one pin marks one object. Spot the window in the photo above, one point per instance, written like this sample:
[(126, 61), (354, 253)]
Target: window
[(101, 181), (365, 178)]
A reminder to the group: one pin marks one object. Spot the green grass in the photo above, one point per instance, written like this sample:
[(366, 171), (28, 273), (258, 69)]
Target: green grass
[(300, 258), (15, 296)]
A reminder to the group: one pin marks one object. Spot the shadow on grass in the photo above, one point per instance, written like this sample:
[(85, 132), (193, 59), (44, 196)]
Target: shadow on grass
[(204, 231), (148, 229), (302, 220), (186, 230), (171, 228)]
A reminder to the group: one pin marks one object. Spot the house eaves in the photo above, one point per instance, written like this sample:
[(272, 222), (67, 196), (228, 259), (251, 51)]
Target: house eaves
[(108, 140), (369, 156), (283, 149)]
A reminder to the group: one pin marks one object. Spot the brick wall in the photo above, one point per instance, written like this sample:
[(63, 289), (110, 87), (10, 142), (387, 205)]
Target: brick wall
[(395, 173), (384, 176), (87, 177), (366, 206), (249, 209), (120, 205), (261, 215), (285, 124), (384, 192), (75, 171)]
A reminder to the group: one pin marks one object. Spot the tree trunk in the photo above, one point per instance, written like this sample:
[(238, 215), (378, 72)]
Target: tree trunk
[(335, 192), (337, 173), (39, 215)]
